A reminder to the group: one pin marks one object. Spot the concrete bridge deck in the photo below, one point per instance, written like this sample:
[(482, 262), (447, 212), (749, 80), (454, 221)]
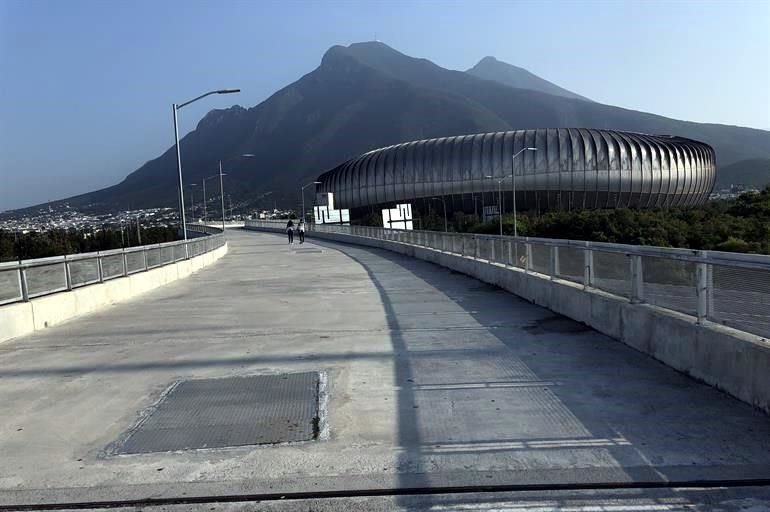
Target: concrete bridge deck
[(434, 379)]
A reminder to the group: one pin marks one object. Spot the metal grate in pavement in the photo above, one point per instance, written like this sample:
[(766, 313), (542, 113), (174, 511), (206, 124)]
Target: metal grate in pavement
[(232, 411)]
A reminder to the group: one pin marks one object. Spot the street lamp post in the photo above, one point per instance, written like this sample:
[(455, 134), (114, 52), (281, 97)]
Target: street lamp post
[(205, 198), (222, 186), (302, 191), (443, 202), (513, 180), (175, 108), (499, 198), (192, 202)]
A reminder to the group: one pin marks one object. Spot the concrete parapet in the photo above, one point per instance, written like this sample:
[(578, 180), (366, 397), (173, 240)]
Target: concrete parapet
[(731, 360), (23, 318)]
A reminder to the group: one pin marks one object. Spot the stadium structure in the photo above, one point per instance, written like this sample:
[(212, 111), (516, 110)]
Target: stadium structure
[(549, 169)]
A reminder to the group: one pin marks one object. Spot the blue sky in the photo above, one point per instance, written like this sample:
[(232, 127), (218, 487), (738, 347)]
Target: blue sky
[(86, 86)]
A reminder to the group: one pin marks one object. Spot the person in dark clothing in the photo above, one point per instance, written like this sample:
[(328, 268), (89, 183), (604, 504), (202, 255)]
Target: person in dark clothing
[(290, 231)]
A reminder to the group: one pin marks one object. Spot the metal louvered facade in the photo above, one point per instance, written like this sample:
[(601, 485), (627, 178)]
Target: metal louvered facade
[(571, 169)]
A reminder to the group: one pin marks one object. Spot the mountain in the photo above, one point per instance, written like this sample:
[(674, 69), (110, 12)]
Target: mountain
[(754, 172), (365, 96), (490, 68)]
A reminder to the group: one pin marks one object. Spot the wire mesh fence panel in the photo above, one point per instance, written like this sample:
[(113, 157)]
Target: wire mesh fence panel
[(501, 251), (741, 298), (134, 262), (430, 239), (612, 273), (571, 264), (455, 244), (670, 283), (153, 257), (485, 248), (179, 252), (167, 254), (10, 290), (438, 241), (541, 259), (83, 272), (112, 266), (46, 279)]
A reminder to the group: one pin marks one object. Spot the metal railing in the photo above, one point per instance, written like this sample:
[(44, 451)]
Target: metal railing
[(731, 289), (25, 280)]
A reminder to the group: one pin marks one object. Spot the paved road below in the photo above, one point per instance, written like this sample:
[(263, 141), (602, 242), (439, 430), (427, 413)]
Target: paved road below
[(435, 379)]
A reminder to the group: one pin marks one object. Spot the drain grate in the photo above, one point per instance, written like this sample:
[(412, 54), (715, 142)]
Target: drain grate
[(307, 250), (232, 411)]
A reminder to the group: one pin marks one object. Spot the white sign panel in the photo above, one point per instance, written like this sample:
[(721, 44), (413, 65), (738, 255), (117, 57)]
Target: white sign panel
[(324, 212), (491, 212), (399, 217)]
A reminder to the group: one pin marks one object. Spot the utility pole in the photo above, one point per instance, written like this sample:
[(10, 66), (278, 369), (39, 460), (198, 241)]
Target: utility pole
[(222, 195), (204, 199)]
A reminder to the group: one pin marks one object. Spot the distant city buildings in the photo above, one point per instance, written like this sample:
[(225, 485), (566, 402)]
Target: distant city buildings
[(731, 192), (64, 217)]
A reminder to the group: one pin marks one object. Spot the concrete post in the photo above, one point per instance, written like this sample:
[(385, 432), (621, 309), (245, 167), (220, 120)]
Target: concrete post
[(637, 280), (125, 264), (476, 250), (144, 257), (510, 254)]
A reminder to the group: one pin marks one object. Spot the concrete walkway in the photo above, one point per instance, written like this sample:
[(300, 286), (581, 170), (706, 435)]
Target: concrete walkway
[(434, 379)]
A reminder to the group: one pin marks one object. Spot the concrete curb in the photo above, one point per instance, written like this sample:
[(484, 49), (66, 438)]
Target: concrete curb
[(40, 313), (733, 361)]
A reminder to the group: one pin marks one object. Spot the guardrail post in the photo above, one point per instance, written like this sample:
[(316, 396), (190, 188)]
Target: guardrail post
[(709, 290), (528, 258), (637, 279), (125, 264), (510, 254), (23, 284), (476, 248), (704, 289), (491, 255), (67, 273), (588, 267), (144, 257), (99, 267), (554, 261)]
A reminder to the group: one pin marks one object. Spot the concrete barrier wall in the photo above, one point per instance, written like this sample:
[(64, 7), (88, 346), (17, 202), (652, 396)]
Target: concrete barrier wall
[(731, 360), (25, 317)]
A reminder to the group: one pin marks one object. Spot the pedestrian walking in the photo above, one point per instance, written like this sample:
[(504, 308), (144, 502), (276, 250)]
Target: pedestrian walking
[(301, 231), (290, 231)]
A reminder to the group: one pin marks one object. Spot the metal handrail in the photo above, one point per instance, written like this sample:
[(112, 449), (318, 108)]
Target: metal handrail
[(729, 288), (62, 279)]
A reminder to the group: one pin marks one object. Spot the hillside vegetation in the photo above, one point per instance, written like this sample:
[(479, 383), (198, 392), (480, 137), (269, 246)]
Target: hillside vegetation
[(739, 225), (58, 242)]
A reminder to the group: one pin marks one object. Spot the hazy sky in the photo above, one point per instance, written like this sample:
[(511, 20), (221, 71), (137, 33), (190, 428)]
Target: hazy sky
[(86, 86)]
